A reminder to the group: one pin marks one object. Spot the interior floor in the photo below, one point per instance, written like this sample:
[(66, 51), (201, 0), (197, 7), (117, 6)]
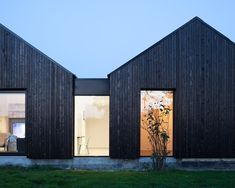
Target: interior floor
[(94, 152)]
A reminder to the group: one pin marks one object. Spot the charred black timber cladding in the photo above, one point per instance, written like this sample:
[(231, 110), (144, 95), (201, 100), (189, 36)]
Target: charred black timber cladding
[(198, 64)]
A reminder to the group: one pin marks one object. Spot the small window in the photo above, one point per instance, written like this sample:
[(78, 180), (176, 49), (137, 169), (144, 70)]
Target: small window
[(154, 101), (12, 122)]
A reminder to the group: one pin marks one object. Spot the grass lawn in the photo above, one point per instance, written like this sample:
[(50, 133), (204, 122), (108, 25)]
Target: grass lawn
[(46, 177)]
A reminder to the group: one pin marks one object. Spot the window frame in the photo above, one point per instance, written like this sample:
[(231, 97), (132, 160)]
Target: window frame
[(74, 107), (17, 91), (173, 90)]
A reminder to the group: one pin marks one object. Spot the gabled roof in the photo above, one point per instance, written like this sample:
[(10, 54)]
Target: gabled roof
[(37, 50), (172, 33)]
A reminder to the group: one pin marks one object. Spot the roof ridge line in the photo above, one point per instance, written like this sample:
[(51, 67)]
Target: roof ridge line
[(156, 43), (39, 51), (196, 18)]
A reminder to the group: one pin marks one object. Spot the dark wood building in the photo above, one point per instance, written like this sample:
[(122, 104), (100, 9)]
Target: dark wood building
[(196, 62)]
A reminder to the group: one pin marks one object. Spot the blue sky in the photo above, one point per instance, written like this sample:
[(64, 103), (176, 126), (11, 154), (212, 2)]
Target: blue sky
[(93, 37)]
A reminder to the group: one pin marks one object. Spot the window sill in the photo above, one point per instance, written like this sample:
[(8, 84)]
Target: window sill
[(12, 154)]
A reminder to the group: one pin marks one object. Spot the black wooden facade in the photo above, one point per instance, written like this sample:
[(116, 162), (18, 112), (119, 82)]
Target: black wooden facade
[(195, 61), (49, 96), (198, 64)]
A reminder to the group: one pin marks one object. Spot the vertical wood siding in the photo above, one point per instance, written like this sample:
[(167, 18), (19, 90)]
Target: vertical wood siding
[(49, 96), (197, 63)]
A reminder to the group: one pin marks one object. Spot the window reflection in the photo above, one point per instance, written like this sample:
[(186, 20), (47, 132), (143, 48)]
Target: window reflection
[(156, 99)]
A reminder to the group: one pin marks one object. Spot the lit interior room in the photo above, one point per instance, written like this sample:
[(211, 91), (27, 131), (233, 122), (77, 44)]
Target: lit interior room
[(12, 122), (91, 126)]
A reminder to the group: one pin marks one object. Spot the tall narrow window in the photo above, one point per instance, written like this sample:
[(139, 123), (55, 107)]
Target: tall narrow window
[(12, 122), (91, 126), (153, 102)]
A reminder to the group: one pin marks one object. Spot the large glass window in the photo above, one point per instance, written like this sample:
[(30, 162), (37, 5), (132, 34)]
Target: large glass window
[(91, 126), (12, 122), (153, 101)]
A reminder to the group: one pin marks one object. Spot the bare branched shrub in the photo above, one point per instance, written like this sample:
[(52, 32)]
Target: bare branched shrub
[(155, 122)]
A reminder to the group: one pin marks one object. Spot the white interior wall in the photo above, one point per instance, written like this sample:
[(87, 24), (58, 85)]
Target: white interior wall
[(12, 105), (92, 121)]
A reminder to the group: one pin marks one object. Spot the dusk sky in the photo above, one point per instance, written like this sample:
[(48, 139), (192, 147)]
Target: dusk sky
[(91, 38)]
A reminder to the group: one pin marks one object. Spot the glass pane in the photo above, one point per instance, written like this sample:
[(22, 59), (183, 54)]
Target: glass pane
[(91, 126), (12, 122), (152, 100)]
